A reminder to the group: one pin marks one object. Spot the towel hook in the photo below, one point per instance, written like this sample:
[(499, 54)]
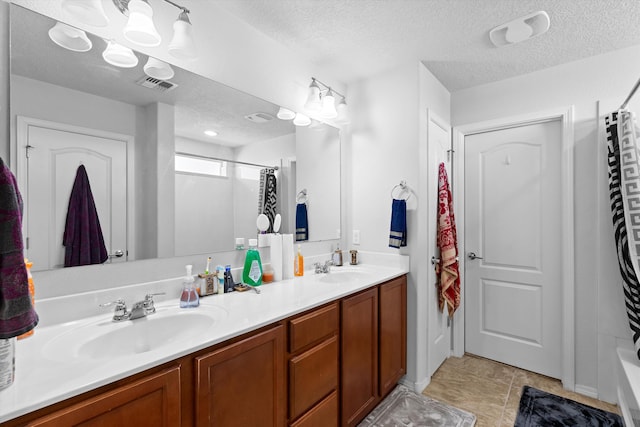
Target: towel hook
[(302, 196), (404, 188)]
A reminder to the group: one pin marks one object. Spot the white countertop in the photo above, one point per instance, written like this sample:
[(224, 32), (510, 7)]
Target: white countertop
[(43, 379)]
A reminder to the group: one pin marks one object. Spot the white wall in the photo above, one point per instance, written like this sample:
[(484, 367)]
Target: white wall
[(388, 145), (202, 205), (582, 84), (4, 81)]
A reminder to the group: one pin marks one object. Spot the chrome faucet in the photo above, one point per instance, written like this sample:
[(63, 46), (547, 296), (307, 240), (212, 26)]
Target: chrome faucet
[(320, 268), (139, 309)]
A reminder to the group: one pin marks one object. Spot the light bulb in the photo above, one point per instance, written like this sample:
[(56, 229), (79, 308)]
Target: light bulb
[(88, 12), (313, 97), (140, 28), (285, 114), (158, 69), (70, 38), (120, 56), (182, 45), (301, 120), (343, 113), (329, 106)]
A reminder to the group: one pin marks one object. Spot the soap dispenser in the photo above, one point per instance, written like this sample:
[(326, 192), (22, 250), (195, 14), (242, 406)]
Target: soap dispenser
[(189, 296), (337, 256)]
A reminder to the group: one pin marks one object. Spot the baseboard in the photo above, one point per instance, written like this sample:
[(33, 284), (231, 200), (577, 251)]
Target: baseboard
[(418, 386), (587, 391)]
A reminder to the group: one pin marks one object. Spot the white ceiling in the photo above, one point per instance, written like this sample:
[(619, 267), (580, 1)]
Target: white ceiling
[(355, 39)]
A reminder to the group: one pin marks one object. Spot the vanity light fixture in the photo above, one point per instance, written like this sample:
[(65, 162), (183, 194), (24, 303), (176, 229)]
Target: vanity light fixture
[(140, 28), (88, 11), (70, 38), (210, 133), (158, 69), (119, 56), (322, 99)]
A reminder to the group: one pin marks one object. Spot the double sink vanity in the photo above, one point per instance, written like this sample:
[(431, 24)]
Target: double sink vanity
[(317, 350)]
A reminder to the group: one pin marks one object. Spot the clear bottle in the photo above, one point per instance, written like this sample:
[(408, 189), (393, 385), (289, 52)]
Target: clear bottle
[(220, 275), (189, 296), (229, 283), (298, 263), (7, 362), (252, 272)]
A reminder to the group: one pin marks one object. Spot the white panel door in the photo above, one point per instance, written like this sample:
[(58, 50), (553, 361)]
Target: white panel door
[(53, 159), (513, 289), (439, 142)]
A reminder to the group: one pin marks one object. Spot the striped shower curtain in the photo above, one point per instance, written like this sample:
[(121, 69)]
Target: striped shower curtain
[(623, 161)]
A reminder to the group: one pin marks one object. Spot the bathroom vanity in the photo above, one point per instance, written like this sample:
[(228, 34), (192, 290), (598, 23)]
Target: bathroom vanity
[(318, 350)]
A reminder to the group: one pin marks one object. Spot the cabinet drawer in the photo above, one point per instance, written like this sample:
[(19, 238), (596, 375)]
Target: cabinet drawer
[(312, 376), (313, 327), (324, 414)]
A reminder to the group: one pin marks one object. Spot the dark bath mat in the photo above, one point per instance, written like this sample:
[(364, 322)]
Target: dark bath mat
[(539, 408), (402, 407)]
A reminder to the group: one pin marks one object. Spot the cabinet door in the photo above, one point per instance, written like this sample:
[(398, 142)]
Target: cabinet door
[(243, 384), (393, 333), (359, 356), (151, 401)]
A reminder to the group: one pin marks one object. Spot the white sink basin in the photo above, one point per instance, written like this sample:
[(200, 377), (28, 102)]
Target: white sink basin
[(341, 274), (107, 340)]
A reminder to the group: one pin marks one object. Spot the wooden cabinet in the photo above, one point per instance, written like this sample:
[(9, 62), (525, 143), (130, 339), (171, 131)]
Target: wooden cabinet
[(242, 384), (359, 370), (373, 336), (151, 401), (392, 315), (313, 367), (326, 367)]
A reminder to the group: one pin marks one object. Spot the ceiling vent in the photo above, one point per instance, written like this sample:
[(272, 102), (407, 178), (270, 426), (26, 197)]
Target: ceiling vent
[(156, 84), (259, 117)]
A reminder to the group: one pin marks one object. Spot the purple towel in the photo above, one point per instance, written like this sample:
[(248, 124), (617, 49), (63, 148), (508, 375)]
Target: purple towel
[(83, 240), (17, 315)]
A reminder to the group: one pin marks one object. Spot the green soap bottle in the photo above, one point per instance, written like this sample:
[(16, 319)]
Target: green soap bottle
[(252, 272)]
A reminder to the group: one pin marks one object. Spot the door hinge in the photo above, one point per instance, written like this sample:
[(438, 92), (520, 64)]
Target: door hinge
[(26, 243)]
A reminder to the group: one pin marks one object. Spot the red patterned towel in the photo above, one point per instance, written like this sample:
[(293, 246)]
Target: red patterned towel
[(447, 272)]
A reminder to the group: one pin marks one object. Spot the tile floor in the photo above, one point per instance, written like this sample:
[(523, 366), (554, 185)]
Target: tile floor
[(491, 390)]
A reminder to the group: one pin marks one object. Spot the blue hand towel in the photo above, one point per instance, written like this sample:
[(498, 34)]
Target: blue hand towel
[(302, 223), (398, 233)]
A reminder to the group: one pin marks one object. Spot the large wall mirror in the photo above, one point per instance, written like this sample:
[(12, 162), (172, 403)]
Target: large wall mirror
[(161, 186)]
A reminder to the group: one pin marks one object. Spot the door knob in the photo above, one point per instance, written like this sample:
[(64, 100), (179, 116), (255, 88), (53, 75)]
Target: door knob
[(472, 255), (117, 254)]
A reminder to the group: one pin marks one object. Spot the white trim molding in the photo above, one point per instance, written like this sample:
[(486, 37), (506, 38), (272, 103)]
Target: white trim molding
[(566, 116)]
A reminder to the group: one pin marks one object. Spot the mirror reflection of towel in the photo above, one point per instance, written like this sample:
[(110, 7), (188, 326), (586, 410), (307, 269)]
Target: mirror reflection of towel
[(398, 233), (83, 240), (302, 222), (17, 315), (267, 202)]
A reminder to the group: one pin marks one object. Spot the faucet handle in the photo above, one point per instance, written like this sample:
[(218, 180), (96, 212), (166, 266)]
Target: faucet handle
[(120, 310), (149, 306)]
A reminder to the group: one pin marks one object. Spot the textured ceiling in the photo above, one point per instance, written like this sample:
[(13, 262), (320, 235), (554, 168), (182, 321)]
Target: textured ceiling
[(355, 39)]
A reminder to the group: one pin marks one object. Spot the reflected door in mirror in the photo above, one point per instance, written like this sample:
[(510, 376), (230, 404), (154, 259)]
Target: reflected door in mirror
[(55, 153)]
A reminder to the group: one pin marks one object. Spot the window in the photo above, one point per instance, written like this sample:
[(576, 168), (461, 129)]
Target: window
[(200, 166)]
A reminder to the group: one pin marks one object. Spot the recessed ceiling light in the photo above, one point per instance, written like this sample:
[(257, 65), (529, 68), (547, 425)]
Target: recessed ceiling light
[(210, 133)]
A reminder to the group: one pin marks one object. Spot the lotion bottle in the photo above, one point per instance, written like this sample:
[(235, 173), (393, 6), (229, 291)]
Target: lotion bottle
[(298, 263)]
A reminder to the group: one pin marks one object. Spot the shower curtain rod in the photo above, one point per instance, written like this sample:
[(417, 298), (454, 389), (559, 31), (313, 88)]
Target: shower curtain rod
[(199, 156), (633, 91)]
